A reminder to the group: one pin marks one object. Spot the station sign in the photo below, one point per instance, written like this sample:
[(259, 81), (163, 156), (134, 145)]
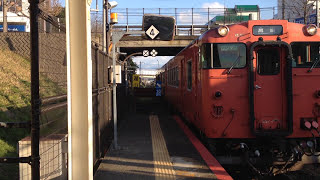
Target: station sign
[(154, 53), (159, 27), (14, 28), (135, 80), (145, 53), (158, 88), (152, 32)]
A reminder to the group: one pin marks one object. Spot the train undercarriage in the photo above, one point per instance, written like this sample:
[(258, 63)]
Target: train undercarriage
[(266, 157)]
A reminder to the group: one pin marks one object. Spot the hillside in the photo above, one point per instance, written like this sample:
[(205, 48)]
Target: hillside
[(15, 95)]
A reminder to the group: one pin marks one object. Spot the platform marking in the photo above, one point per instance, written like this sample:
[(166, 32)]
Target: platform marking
[(163, 167), (212, 162)]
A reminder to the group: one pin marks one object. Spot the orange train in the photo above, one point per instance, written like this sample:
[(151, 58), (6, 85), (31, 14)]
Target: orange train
[(251, 88)]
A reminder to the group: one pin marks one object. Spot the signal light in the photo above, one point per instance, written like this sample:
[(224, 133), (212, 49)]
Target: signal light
[(315, 124), (311, 29), (223, 31), (114, 18)]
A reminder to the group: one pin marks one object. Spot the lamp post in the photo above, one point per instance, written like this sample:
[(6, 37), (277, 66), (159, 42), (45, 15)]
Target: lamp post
[(158, 63), (116, 36), (105, 21), (141, 67), (115, 39)]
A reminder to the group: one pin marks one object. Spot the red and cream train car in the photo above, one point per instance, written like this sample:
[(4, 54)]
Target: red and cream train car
[(252, 86)]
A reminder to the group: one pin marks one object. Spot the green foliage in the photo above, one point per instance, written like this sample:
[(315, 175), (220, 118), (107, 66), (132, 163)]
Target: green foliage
[(15, 104), (133, 68)]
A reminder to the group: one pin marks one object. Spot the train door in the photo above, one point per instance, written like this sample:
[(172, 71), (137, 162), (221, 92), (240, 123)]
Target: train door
[(196, 83), (182, 71), (188, 96), (269, 88)]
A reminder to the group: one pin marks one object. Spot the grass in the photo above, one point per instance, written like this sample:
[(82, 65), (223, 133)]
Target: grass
[(15, 105)]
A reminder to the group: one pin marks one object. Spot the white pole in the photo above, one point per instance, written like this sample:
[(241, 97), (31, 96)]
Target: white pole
[(79, 69), (115, 118)]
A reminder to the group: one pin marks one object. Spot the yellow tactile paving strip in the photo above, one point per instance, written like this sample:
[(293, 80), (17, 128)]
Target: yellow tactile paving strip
[(162, 164)]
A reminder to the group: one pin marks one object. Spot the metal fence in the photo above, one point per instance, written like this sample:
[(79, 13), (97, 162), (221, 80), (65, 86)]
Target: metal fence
[(53, 85), (50, 83), (189, 21)]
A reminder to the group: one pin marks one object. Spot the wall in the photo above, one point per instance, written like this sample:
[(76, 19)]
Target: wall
[(52, 52)]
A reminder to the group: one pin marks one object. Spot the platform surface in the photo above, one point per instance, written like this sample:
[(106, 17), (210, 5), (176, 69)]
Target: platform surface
[(152, 147)]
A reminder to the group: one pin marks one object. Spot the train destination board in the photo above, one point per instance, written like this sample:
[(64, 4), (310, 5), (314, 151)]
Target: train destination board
[(268, 30)]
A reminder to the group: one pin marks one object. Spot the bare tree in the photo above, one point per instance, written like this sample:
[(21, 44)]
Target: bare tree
[(7, 4), (299, 8), (5, 18), (96, 27), (51, 7)]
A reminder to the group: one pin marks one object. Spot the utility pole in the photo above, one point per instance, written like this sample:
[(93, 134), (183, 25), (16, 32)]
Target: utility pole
[(5, 18), (140, 68), (108, 35), (104, 37), (158, 63), (283, 9), (317, 11)]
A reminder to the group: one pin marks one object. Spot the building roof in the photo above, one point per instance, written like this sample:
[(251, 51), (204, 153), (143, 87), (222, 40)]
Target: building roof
[(230, 11), (247, 8)]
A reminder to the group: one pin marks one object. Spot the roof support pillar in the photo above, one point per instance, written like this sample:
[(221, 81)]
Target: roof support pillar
[(79, 67)]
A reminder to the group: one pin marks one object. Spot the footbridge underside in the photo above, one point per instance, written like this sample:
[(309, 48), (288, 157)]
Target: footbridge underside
[(134, 44)]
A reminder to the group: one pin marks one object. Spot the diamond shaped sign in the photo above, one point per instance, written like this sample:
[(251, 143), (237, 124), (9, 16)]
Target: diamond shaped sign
[(153, 53), (152, 32), (145, 53)]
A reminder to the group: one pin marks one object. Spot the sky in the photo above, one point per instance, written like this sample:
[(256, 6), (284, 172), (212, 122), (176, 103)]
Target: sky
[(187, 3), (152, 63)]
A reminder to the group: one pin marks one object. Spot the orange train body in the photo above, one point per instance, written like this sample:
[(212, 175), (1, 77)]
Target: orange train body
[(258, 85), (224, 105)]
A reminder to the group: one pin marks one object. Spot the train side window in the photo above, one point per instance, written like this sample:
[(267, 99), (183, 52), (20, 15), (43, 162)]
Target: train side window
[(206, 56), (189, 75), (177, 76), (305, 53)]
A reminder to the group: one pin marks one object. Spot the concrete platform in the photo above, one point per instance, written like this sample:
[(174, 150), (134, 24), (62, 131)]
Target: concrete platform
[(153, 147)]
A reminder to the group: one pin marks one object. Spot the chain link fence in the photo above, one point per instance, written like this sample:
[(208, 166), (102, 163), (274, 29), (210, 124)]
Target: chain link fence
[(53, 147)]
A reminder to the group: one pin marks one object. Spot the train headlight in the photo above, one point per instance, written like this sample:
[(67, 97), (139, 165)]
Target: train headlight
[(311, 29), (223, 31)]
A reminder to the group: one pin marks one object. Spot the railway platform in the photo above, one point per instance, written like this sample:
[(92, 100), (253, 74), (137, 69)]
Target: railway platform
[(156, 145)]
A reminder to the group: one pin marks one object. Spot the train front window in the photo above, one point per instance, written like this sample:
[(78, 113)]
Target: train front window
[(305, 54), (223, 56)]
